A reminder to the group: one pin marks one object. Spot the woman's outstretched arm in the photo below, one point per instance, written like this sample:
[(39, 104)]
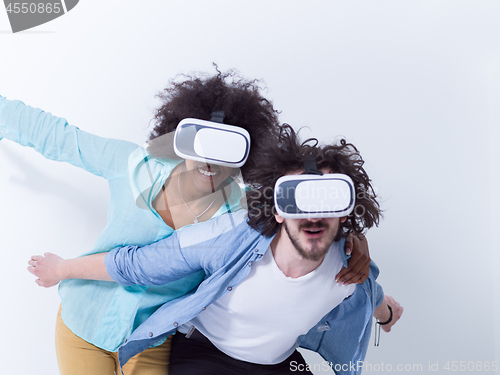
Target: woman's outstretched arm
[(55, 139)]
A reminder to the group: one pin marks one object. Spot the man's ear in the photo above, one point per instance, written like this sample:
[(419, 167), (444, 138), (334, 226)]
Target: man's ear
[(343, 219), (279, 219)]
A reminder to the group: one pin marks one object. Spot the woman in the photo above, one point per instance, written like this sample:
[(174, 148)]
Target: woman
[(96, 317)]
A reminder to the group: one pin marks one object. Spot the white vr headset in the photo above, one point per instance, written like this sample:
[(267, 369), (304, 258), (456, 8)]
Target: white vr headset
[(212, 142), (308, 196), (313, 195)]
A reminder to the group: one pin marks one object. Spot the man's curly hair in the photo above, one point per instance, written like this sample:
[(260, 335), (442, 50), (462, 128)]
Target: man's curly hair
[(198, 96), (287, 156)]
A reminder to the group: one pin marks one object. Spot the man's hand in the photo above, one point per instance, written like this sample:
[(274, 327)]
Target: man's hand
[(45, 267), (383, 314), (358, 267)]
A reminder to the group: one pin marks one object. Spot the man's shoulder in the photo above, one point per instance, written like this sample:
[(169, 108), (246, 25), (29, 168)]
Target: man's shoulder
[(226, 227), (221, 241)]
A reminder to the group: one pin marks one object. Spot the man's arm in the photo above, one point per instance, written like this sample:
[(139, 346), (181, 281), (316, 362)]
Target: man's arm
[(51, 269), (155, 264), (203, 246), (388, 317)]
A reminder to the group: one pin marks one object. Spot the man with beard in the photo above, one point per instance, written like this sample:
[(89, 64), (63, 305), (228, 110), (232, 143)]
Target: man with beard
[(270, 281)]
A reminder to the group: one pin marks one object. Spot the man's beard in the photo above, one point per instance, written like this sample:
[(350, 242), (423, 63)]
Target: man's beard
[(317, 250)]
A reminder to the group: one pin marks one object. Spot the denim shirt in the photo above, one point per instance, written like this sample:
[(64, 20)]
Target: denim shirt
[(100, 312), (225, 248)]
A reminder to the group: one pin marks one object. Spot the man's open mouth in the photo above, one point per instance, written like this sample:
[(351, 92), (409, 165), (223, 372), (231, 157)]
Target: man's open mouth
[(314, 232)]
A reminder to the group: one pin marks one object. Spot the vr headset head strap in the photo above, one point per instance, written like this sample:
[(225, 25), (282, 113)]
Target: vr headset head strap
[(310, 166), (218, 116)]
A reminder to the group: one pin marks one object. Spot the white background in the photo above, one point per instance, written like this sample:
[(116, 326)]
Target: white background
[(414, 84)]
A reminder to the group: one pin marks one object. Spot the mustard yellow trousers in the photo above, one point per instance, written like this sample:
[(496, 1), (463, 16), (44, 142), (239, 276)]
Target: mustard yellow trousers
[(76, 356)]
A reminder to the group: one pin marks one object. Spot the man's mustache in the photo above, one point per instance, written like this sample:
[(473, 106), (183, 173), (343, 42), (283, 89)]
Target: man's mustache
[(311, 225)]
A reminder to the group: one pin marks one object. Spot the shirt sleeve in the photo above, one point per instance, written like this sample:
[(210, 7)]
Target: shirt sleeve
[(55, 139), (377, 291), (156, 264), (205, 246)]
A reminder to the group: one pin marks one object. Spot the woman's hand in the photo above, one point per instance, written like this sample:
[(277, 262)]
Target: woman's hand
[(358, 267), (46, 268)]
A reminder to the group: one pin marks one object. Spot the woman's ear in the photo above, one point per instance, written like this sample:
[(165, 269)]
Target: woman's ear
[(279, 218)]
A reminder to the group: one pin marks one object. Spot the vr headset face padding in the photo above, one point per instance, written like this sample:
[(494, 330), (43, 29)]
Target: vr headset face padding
[(314, 196), (212, 142)]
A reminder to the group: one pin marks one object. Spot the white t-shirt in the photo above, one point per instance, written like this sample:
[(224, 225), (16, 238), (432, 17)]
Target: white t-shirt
[(260, 319)]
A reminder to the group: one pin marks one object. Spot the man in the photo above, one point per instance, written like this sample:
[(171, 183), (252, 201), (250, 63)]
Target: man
[(255, 306)]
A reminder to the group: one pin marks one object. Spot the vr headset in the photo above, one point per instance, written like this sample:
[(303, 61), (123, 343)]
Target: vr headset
[(309, 196), (212, 142)]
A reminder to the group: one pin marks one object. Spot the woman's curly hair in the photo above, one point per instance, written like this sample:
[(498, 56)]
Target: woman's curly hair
[(287, 156), (198, 96)]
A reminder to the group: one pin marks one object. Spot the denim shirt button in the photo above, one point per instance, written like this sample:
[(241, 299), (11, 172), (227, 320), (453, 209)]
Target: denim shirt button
[(176, 324), (323, 327), (150, 334), (229, 288), (203, 309), (256, 250), (125, 341), (259, 256), (250, 264)]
